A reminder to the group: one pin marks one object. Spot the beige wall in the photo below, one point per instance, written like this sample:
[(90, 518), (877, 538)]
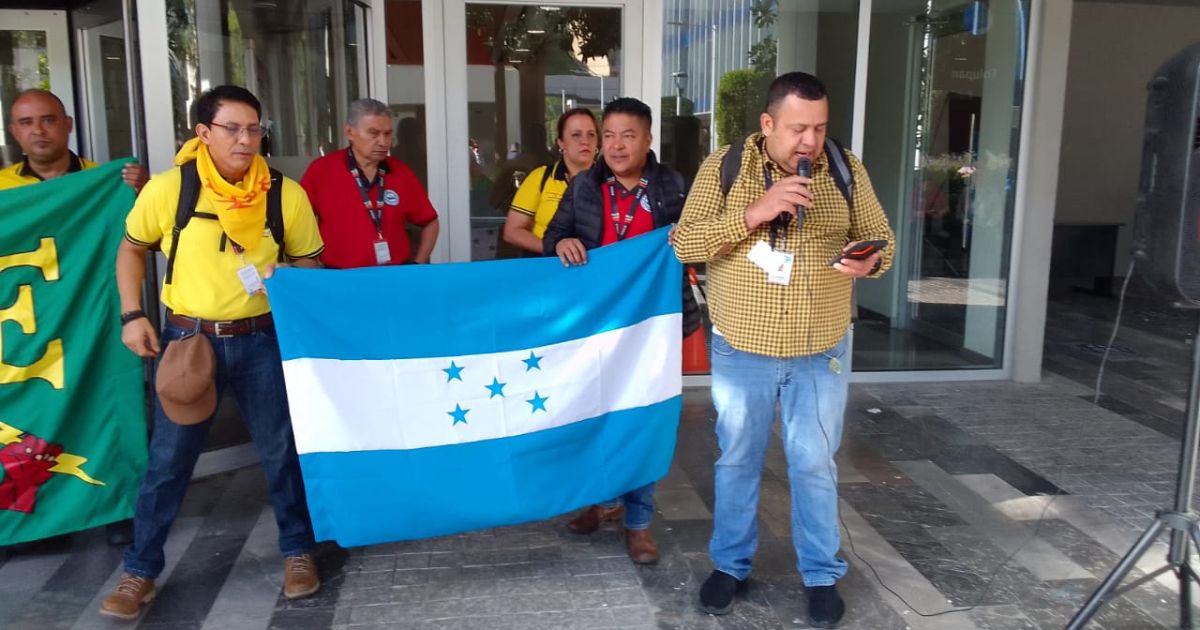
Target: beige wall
[(1115, 47)]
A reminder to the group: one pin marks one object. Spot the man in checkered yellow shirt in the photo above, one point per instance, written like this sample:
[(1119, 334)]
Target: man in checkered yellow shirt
[(780, 315)]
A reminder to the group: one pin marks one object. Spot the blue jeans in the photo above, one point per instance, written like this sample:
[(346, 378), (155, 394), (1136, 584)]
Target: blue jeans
[(250, 364), (639, 506), (812, 401)]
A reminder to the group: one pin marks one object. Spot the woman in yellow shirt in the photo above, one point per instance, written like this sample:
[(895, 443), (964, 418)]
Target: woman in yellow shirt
[(537, 199)]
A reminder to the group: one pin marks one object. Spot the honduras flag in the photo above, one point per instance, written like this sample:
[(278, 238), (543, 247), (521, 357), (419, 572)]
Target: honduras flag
[(434, 399)]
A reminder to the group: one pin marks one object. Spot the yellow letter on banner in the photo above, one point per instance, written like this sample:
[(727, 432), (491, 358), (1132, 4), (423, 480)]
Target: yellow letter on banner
[(45, 257), (50, 366)]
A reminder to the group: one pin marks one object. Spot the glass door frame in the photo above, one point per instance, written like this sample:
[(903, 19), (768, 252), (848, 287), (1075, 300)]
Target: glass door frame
[(58, 53), (1021, 222), (446, 105), (90, 63)]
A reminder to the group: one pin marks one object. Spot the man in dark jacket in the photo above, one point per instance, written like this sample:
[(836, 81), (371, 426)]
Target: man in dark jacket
[(625, 194)]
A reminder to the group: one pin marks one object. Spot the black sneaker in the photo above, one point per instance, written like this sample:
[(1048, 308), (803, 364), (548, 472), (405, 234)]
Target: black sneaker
[(825, 606), (716, 595)]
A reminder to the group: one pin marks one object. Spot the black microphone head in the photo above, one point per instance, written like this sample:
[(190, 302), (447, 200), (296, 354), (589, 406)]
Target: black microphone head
[(804, 169)]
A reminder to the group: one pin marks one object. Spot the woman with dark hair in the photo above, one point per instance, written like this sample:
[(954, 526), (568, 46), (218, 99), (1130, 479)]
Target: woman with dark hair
[(537, 199)]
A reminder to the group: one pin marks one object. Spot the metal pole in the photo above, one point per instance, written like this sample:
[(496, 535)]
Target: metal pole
[(1186, 483), (1098, 598), (133, 69), (133, 72), (712, 87)]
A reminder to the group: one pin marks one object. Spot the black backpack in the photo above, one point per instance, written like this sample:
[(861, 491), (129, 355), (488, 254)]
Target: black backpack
[(839, 167), (189, 194)]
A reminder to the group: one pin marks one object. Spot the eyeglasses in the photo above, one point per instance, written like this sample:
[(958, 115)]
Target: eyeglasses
[(235, 131)]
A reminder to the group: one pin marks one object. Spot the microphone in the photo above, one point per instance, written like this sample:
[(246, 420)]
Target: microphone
[(803, 169)]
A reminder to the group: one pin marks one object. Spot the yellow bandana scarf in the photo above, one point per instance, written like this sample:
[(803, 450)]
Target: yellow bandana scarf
[(241, 207)]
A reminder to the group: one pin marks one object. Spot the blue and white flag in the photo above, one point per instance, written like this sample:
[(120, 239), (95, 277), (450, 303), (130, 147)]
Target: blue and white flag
[(435, 399)]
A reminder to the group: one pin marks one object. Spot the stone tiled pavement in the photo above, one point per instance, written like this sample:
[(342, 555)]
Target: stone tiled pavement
[(1013, 498)]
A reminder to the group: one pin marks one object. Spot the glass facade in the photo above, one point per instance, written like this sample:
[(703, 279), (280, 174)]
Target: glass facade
[(719, 56), (114, 81), (943, 122), (304, 59), (941, 131), (405, 78), (526, 65), (937, 117), (23, 66)]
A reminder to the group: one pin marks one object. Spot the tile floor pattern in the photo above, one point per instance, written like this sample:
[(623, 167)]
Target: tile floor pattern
[(940, 483)]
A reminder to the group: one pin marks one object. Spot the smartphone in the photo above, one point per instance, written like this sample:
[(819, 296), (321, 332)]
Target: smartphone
[(861, 251)]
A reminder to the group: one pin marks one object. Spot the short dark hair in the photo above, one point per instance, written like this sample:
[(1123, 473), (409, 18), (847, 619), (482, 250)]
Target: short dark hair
[(209, 102), (801, 84), (578, 111), (631, 106)]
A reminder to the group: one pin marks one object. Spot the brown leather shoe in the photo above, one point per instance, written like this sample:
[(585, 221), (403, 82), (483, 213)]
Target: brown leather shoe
[(127, 599), (300, 577), (590, 519), (640, 545)]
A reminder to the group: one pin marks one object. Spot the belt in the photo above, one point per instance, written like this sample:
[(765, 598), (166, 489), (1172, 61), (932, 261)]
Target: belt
[(229, 328)]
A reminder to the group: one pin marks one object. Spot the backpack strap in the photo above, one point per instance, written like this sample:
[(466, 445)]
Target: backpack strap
[(275, 213), (731, 164), (546, 174), (843, 177), (839, 167), (189, 194)]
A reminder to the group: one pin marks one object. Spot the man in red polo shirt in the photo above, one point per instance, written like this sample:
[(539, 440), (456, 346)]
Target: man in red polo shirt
[(364, 199)]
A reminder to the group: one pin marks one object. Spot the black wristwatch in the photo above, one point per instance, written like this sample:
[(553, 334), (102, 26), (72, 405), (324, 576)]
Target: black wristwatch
[(129, 316)]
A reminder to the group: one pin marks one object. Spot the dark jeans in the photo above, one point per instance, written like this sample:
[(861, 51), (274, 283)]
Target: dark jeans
[(250, 364)]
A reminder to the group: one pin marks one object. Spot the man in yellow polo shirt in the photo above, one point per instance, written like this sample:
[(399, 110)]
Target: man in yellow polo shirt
[(39, 122), (214, 291)]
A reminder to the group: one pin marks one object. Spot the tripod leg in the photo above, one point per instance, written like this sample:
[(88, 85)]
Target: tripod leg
[(1118, 573), (1186, 575)]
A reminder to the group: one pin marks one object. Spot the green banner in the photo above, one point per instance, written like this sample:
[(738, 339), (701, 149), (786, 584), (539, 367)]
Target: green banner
[(72, 422)]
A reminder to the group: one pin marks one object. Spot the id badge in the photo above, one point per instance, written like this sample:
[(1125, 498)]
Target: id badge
[(383, 255), (251, 281), (759, 254), (779, 270)]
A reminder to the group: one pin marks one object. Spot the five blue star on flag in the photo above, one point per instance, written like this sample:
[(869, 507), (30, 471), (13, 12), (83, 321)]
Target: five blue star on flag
[(453, 372), (459, 414), (538, 401), (533, 361)]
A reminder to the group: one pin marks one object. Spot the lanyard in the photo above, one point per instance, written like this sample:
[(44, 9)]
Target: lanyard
[(374, 209), (779, 224), (621, 223)]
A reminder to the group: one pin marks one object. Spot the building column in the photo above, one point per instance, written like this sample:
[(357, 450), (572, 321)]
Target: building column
[(1037, 177)]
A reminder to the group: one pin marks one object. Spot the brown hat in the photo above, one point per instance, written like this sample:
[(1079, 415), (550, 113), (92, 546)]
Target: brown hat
[(186, 381)]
